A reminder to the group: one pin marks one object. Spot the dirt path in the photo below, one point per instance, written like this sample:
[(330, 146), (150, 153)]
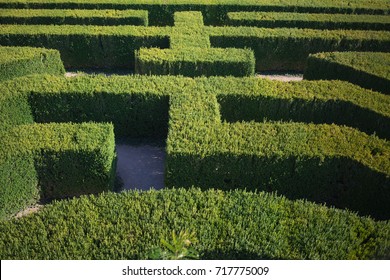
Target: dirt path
[(141, 167)]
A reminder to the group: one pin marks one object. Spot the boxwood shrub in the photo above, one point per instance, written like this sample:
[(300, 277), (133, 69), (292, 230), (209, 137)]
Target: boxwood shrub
[(366, 69)]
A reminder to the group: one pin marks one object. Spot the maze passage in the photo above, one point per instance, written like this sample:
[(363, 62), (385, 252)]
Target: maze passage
[(247, 160)]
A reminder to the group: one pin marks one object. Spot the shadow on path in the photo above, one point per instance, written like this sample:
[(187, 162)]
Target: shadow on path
[(141, 166)]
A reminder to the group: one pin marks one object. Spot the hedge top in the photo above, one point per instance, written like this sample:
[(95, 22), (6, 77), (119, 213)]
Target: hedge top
[(26, 13), (280, 16), (228, 225), (33, 138), (375, 63), (10, 54), (244, 31), (351, 4)]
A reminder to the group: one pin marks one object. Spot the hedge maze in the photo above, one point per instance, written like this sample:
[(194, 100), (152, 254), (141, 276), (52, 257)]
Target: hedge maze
[(250, 162)]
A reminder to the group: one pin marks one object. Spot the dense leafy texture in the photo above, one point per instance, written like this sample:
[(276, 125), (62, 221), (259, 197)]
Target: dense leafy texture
[(161, 12), (196, 62), (288, 48), (367, 69), (228, 225), (112, 47), (306, 101), (191, 54), (19, 61), (325, 163), (87, 46), (306, 20), (58, 16)]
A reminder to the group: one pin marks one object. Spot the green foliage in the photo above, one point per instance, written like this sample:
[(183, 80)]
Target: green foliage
[(18, 183), (161, 12), (191, 55), (179, 248), (195, 62), (134, 105), (19, 61), (87, 46), (307, 20), (70, 159), (229, 225), (323, 163), (367, 69), (307, 101), (188, 19), (203, 150), (108, 47), (189, 31), (58, 16), (288, 48)]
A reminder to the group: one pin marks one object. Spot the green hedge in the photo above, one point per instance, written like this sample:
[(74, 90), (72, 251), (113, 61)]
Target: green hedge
[(92, 17), (108, 47), (87, 46), (306, 101), (161, 12), (70, 159), (366, 69), (135, 106), (18, 183), (324, 163), (191, 55), (18, 177), (228, 225), (189, 31), (195, 62), (288, 49), (305, 20), (20, 61)]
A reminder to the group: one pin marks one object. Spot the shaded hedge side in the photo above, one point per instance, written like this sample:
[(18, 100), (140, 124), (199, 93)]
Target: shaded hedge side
[(366, 69), (327, 163)]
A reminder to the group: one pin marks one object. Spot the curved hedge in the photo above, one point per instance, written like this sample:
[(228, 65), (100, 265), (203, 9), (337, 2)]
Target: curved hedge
[(228, 225)]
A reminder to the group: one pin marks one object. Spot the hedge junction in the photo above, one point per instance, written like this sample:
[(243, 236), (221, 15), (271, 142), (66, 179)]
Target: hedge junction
[(250, 162)]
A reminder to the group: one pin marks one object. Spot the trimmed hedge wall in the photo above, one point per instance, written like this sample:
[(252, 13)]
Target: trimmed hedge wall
[(305, 101), (108, 47), (70, 159), (228, 225), (19, 185), (305, 20), (18, 177), (366, 69), (189, 31), (288, 49), (87, 46), (136, 106), (82, 17), (161, 12), (203, 149), (324, 163), (191, 55), (20, 61), (195, 62)]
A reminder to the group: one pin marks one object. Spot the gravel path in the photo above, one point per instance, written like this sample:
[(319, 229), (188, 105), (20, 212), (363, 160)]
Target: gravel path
[(141, 167)]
